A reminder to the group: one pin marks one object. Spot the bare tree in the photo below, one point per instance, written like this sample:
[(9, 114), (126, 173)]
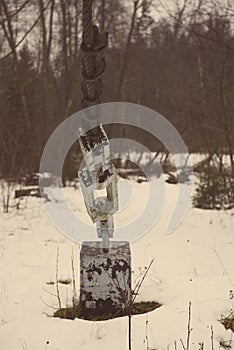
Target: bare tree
[(136, 5)]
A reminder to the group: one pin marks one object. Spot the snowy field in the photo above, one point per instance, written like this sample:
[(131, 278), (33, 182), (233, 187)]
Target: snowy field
[(193, 264)]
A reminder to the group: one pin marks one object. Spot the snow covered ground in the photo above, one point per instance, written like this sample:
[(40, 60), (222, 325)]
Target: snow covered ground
[(195, 264)]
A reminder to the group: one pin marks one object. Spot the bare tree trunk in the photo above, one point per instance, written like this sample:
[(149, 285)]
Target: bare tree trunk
[(7, 185), (76, 42), (46, 47), (70, 50), (9, 35), (226, 126), (126, 52), (203, 102)]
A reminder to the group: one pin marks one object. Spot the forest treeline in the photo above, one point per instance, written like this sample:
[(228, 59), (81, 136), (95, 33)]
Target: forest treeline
[(177, 59)]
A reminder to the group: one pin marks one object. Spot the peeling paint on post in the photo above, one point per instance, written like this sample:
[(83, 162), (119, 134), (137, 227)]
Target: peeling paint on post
[(105, 278)]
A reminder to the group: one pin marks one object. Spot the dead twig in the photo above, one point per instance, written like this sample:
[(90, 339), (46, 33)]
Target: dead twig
[(73, 280), (57, 282), (212, 338)]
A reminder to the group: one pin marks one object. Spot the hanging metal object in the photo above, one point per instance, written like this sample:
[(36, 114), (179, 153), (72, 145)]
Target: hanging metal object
[(99, 172)]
